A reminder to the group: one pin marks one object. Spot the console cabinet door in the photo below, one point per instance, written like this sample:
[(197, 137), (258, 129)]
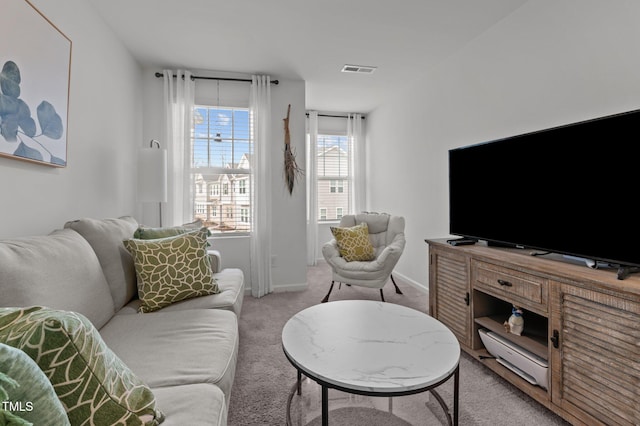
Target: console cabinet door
[(449, 293), (596, 366)]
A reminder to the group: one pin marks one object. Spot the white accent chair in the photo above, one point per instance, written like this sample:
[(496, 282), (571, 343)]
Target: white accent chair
[(386, 234)]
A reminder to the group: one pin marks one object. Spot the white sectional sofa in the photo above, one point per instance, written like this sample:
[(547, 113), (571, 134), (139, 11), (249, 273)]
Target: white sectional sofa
[(183, 354)]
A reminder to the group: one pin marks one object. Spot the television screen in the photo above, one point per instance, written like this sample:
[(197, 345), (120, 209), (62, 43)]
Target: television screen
[(569, 190)]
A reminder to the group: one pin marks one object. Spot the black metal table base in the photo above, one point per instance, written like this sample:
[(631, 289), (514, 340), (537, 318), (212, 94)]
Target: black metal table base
[(452, 418)]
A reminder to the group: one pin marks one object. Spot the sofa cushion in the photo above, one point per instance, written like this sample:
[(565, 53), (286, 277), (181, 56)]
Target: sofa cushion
[(177, 347), (105, 237), (38, 401), (93, 384), (172, 269), (231, 285), (197, 404), (59, 270), (353, 242)]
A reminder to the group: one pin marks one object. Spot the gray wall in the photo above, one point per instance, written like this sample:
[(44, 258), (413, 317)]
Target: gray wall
[(113, 110), (547, 64), (104, 127)]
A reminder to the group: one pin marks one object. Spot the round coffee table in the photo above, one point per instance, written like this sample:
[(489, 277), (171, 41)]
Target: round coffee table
[(372, 348)]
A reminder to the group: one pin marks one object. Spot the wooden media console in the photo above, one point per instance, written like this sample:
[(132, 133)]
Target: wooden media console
[(585, 322)]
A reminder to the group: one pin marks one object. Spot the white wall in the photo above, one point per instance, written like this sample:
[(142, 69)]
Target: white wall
[(289, 231), (289, 211), (547, 64), (104, 124)]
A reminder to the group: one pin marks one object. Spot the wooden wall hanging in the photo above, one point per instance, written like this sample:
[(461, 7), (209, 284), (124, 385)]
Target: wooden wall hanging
[(291, 169)]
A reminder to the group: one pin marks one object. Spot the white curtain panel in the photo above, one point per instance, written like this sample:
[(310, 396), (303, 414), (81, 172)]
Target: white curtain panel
[(356, 137), (260, 105), (312, 188), (179, 95)]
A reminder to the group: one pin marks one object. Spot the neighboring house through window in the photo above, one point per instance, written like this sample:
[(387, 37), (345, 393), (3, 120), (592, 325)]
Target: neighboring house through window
[(221, 161), (334, 176)]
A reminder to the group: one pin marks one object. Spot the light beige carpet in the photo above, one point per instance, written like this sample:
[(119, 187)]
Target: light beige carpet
[(264, 376)]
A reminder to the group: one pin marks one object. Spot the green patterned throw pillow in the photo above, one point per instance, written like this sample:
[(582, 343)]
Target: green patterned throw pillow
[(92, 383), (147, 233), (30, 394), (172, 269), (353, 242)]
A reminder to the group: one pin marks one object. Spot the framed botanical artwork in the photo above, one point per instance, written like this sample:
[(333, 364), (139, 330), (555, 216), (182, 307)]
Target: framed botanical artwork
[(35, 62)]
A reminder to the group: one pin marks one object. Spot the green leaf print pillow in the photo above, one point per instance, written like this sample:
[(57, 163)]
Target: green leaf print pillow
[(92, 383), (172, 269)]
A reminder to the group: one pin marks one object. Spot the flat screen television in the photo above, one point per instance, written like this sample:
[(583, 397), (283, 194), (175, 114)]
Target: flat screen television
[(570, 190)]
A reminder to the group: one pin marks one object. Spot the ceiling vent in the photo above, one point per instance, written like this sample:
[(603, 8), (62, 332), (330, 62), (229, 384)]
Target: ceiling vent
[(359, 69)]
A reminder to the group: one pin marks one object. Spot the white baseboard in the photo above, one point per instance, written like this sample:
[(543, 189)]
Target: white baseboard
[(290, 287), (282, 288), (423, 288), (303, 286)]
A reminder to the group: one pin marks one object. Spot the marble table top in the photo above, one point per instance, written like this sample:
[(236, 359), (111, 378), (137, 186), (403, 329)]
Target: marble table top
[(368, 346)]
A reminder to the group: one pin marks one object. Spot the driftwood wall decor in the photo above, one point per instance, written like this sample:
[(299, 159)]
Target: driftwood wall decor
[(291, 169)]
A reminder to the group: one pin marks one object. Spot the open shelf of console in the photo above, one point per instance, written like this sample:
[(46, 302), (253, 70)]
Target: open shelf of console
[(532, 342)]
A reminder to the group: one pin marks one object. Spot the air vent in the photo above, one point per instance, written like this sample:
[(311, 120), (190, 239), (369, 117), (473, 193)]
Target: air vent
[(360, 69)]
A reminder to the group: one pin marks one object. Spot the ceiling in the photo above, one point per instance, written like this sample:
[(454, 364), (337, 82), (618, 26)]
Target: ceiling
[(305, 39)]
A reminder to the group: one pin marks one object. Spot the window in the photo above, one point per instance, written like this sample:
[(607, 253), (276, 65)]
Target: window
[(334, 176), (337, 186), (221, 161)]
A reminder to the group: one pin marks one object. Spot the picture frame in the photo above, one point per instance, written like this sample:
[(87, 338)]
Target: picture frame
[(35, 73)]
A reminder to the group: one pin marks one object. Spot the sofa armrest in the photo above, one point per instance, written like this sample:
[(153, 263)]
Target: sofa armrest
[(216, 260)]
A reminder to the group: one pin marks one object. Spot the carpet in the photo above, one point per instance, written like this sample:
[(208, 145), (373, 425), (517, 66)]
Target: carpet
[(264, 376)]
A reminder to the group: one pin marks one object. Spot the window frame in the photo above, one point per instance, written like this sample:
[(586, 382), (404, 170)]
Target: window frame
[(223, 206), (337, 184)]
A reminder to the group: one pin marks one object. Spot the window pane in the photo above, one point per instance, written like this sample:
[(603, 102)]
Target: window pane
[(331, 201), (221, 139), (334, 176), (333, 156)]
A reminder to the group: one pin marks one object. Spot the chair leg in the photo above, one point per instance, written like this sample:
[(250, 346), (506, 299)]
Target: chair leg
[(382, 295), (326, 298), (395, 285)]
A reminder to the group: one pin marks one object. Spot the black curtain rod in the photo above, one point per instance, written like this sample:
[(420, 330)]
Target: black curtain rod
[(333, 116), (195, 77)]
